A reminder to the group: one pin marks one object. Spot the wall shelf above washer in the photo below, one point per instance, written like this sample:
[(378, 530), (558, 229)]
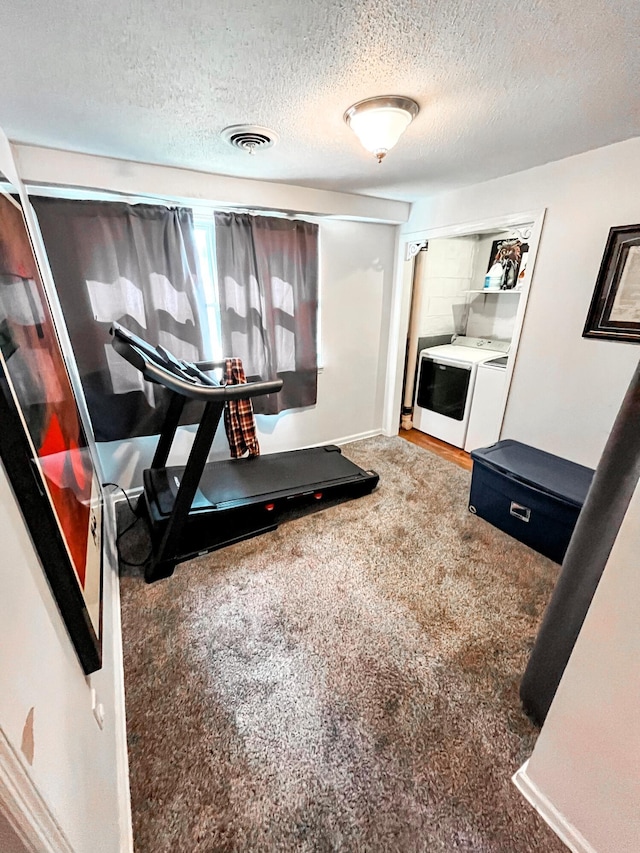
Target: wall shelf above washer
[(493, 290)]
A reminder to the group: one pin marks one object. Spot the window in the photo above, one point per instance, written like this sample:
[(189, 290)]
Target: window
[(206, 246)]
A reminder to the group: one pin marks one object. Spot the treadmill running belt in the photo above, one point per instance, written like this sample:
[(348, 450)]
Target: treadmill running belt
[(248, 481)]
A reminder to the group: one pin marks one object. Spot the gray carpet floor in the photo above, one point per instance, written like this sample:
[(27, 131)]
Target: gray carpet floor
[(346, 683)]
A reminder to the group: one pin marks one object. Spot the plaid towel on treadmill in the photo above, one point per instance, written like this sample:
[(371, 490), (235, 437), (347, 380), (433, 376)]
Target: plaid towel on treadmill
[(238, 414)]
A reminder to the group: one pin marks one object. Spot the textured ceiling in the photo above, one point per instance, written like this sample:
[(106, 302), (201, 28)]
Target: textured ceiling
[(502, 85)]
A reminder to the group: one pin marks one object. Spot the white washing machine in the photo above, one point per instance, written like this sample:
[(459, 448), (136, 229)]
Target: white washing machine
[(446, 381)]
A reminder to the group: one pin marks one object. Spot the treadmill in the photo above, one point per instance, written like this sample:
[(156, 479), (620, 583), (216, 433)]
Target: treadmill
[(202, 506)]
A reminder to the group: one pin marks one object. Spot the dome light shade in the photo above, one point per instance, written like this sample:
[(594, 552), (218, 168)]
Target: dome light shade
[(380, 122)]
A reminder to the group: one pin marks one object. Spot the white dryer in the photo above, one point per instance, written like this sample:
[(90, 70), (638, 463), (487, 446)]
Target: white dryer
[(446, 380)]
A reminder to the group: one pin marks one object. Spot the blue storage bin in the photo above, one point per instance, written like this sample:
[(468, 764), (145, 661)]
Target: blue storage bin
[(532, 495)]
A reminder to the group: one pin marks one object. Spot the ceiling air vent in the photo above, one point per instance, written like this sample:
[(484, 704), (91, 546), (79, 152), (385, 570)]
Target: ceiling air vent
[(249, 137)]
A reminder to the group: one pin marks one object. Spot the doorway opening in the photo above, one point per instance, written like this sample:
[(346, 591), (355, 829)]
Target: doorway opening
[(464, 297)]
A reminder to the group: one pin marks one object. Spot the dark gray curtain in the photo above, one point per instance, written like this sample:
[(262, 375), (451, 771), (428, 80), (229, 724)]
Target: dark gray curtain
[(135, 264), (268, 285)]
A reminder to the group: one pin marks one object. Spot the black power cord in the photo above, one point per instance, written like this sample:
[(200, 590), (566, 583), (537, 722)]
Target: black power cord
[(127, 529)]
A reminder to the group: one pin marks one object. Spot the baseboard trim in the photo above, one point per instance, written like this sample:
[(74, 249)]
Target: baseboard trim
[(24, 807), (120, 719), (565, 831), (359, 436)]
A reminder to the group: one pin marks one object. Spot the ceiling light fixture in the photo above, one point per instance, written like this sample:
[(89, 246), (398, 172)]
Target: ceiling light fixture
[(380, 122)]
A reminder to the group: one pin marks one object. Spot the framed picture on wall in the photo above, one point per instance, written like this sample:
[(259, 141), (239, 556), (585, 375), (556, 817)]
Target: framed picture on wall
[(512, 254), (614, 313), (43, 445)]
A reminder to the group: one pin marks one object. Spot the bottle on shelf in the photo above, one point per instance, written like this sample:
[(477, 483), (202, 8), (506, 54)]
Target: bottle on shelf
[(493, 279)]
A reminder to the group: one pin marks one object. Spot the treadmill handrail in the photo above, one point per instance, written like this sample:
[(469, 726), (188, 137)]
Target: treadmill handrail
[(147, 361), (209, 393)]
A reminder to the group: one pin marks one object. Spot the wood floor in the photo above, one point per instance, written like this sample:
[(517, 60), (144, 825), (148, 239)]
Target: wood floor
[(441, 448)]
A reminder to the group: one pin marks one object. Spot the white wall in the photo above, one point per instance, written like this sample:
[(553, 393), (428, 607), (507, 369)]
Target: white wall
[(587, 758), (75, 766), (446, 275), (70, 169), (490, 315), (566, 389), (452, 267)]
